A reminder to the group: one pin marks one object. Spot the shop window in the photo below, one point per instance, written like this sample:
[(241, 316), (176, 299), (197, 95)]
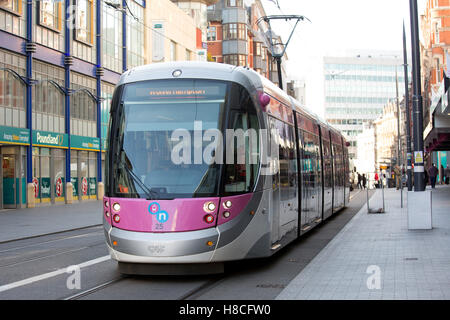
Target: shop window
[(59, 160), (74, 172)]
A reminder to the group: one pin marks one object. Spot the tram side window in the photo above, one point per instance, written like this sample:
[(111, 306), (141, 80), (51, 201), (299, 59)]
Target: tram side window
[(242, 159)]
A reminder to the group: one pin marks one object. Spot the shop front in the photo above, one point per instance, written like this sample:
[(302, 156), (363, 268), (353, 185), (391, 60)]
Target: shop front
[(83, 166), (49, 158), (13, 142)]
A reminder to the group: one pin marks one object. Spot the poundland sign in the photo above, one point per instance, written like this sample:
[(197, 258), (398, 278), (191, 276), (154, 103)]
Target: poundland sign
[(50, 139)]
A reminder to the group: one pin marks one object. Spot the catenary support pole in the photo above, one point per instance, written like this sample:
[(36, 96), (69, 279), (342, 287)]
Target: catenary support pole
[(408, 115), (419, 169)]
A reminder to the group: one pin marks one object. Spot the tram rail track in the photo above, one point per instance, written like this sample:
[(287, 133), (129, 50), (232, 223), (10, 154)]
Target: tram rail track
[(96, 288)]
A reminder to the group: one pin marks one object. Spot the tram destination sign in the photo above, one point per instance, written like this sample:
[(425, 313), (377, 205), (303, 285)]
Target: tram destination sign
[(11, 135)]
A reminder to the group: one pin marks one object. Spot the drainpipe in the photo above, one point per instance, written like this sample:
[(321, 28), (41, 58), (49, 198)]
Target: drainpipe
[(30, 48), (99, 73), (68, 61), (124, 36)]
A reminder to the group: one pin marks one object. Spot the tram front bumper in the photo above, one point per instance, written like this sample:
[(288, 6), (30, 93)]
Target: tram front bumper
[(169, 247)]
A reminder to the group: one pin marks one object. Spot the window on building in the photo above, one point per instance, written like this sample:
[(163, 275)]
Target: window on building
[(235, 31), (12, 5), (211, 34), (50, 14), (12, 91), (257, 47), (84, 22), (436, 32), (135, 38), (234, 3), (438, 70), (173, 51), (112, 38), (235, 59)]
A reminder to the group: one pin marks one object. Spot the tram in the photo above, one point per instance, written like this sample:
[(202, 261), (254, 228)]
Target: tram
[(208, 163)]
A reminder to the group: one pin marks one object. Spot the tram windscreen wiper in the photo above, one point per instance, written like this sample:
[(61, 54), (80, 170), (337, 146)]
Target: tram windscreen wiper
[(150, 194)]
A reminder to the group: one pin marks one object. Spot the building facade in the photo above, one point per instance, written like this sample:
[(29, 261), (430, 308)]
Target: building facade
[(59, 63), (435, 70), (356, 89), (235, 37)]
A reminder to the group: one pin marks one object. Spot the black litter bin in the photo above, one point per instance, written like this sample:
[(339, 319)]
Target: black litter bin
[(391, 183)]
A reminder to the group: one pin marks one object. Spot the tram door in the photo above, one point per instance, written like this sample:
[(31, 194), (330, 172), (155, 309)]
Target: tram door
[(284, 201), (9, 181), (275, 198)]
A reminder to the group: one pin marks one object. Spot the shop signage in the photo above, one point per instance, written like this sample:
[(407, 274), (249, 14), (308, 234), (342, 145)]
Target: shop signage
[(92, 186), (14, 135), (75, 186), (84, 143), (45, 188), (36, 187), (84, 186), (50, 139)]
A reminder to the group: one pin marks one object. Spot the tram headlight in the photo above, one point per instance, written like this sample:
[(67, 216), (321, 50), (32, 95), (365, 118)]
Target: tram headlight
[(106, 203), (116, 207), (209, 207), (227, 204), (226, 214)]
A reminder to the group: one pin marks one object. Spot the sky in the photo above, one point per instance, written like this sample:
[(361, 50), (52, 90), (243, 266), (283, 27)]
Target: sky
[(336, 27)]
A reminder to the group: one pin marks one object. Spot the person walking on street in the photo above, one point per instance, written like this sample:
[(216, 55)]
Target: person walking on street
[(364, 180), (359, 181), (397, 172), (377, 182), (432, 173)]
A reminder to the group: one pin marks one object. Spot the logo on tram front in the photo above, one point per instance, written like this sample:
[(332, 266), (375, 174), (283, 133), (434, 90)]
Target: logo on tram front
[(161, 215)]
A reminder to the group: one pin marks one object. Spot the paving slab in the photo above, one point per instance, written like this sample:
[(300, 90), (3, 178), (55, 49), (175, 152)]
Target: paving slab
[(29, 222), (376, 257)]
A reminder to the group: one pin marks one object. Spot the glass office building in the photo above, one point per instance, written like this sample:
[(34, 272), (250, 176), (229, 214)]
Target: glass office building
[(357, 88)]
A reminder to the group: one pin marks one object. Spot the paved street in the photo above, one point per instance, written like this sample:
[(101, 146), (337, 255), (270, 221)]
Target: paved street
[(412, 264), (36, 268)]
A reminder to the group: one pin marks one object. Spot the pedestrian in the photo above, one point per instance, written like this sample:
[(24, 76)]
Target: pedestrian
[(447, 175), (426, 177), (377, 182), (364, 180), (397, 172), (441, 174), (359, 180), (433, 172)]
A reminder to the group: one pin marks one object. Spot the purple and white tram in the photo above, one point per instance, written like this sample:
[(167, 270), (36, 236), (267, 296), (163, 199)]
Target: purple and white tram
[(178, 199)]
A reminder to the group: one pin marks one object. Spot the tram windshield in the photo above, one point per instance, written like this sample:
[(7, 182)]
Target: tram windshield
[(167, 140), (159, 147)]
